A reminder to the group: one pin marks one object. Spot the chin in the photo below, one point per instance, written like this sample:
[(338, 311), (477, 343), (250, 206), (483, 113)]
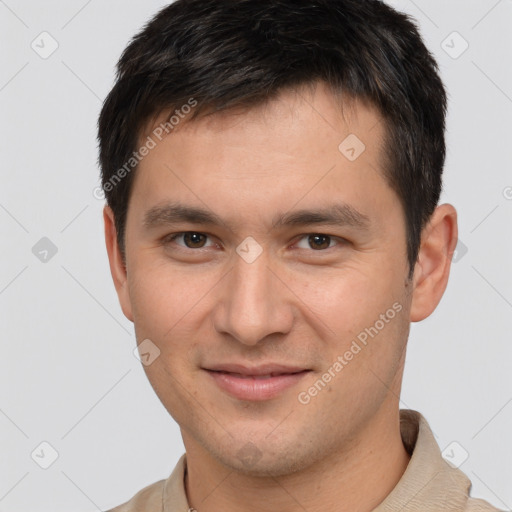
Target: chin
[(255, 461)]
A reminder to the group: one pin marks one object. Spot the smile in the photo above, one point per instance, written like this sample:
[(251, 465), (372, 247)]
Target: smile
[(255, 387)]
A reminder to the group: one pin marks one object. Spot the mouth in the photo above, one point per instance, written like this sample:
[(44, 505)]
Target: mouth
[(257, 383), (257, 377)]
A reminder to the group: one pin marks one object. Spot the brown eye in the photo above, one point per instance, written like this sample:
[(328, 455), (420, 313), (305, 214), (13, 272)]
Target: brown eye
[(318, 241), (194, 240), (187, 240)]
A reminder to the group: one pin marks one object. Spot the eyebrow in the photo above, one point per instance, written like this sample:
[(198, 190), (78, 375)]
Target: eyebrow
[(338, 214)]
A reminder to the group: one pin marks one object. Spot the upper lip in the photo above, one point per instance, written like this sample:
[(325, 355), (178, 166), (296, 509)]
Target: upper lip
[(264, 369)]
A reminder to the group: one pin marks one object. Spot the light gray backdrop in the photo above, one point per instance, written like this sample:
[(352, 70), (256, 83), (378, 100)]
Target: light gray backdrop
[(68, 376)]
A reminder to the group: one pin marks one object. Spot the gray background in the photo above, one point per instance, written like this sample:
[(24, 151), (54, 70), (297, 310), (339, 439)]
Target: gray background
[(68, 376)]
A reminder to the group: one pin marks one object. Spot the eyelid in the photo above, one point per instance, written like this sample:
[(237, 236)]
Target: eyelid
[(171, 237), (333, 238)]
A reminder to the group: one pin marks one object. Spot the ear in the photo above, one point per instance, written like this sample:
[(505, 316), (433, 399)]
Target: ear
[(438, 242), (117, 268)]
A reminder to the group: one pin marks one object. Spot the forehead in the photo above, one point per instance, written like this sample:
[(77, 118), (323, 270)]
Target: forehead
[(298, 147), (331, 108)]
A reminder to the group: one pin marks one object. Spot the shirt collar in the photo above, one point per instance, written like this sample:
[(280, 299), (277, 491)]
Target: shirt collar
[(429, 483)]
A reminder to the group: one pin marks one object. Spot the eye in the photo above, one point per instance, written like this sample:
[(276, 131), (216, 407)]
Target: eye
[(189, 239), (317, 242)]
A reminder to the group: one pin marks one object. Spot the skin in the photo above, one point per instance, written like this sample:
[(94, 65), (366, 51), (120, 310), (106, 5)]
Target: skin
[(296, 304)]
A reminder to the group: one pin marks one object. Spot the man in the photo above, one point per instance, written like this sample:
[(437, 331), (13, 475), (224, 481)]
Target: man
[(272, 171)]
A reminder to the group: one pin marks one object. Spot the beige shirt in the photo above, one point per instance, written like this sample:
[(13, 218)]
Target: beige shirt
[(429, 484)]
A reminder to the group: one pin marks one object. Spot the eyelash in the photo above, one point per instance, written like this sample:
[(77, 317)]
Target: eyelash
[(172, 237)]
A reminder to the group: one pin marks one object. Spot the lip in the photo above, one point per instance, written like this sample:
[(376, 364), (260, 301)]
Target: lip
[(263, 369), (257, 383)]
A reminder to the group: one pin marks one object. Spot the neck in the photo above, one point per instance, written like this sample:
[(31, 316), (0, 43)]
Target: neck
[(355, 480)]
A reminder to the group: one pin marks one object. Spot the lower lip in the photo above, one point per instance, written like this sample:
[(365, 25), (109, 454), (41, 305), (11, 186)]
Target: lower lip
[(255, 389)]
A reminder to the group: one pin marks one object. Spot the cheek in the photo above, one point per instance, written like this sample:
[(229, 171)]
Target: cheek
[(169, 307), (347, 300), (153, 305), (166, 308), (161, 297)]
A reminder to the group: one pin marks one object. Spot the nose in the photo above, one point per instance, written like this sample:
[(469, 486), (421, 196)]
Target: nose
[(254, 302)]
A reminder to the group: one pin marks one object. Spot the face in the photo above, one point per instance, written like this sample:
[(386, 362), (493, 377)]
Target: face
[(267, 265)]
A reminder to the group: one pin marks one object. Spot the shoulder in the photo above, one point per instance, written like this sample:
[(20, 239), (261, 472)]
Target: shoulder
[(148, 499), (164, 495), (477, 505)]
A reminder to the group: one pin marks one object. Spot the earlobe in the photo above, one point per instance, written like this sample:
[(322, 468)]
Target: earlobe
[(117, 267), (438, 242)]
